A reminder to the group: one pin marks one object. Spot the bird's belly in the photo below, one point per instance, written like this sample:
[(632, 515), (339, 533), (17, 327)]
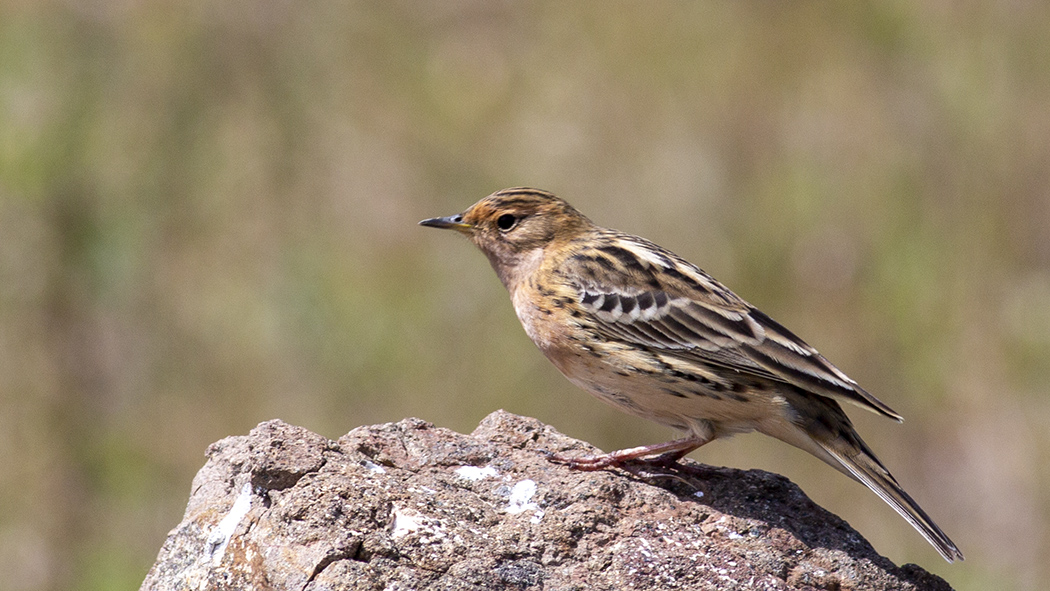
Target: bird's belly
[(691, 399)]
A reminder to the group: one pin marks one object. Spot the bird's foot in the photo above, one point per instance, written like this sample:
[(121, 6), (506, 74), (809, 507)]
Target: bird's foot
[(661, 455)]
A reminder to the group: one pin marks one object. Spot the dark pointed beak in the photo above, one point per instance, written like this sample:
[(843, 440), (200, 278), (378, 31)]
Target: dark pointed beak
[(451, 222)]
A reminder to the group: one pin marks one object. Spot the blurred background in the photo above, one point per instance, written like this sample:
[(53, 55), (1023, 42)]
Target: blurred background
[(208, 219)]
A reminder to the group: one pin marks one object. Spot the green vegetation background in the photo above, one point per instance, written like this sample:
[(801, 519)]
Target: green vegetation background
[(207, 220)]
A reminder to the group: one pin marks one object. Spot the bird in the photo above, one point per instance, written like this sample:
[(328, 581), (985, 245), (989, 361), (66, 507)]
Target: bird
[(648, 332)]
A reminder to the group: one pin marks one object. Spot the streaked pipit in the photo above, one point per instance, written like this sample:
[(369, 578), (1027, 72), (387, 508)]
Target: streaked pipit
[(650, 333)]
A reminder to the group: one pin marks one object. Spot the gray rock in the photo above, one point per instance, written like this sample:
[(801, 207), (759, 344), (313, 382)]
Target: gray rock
[(409, 505)]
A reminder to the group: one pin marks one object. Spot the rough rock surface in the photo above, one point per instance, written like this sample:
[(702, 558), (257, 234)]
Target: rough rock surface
[(411, 506)]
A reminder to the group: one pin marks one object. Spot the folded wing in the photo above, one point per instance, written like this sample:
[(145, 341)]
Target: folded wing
[(643, 294)]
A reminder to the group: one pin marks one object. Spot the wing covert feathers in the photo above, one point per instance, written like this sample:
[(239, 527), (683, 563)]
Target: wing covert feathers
[(643, 294)]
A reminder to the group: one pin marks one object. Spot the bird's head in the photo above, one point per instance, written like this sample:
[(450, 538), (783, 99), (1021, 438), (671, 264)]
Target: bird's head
[(513, 227)]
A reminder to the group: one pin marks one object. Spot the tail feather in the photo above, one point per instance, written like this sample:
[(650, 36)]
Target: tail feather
[(860, 463), (818, 425)]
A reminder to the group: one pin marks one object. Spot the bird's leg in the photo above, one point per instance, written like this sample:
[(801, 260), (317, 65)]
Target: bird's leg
[(661, 454)]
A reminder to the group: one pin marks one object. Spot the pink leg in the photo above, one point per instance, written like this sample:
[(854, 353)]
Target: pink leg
[(665, 454)]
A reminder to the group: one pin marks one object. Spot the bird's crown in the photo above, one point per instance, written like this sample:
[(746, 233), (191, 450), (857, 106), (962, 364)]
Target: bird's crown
[(520, 219), (522, 208)]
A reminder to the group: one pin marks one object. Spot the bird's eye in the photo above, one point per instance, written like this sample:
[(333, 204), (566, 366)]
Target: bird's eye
[(506, 222)]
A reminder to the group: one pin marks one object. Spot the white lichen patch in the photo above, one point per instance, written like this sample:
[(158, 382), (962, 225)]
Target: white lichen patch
[(474, 473), (373, 467), (409, 521), (521, 500), (220, 536)]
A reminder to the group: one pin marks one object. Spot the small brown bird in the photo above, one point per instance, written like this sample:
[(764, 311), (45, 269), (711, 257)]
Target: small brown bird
[(643, 329)]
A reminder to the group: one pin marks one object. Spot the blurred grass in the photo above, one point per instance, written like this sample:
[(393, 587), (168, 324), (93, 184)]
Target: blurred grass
[(207, 220)]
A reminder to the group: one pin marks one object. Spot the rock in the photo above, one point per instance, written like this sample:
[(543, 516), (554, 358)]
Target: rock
[(409, 505)]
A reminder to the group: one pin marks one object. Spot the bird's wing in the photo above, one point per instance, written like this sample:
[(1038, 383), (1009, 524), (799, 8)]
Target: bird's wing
[(640, 293)]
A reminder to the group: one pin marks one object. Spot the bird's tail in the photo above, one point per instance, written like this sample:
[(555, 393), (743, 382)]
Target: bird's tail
[(856, 459)]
